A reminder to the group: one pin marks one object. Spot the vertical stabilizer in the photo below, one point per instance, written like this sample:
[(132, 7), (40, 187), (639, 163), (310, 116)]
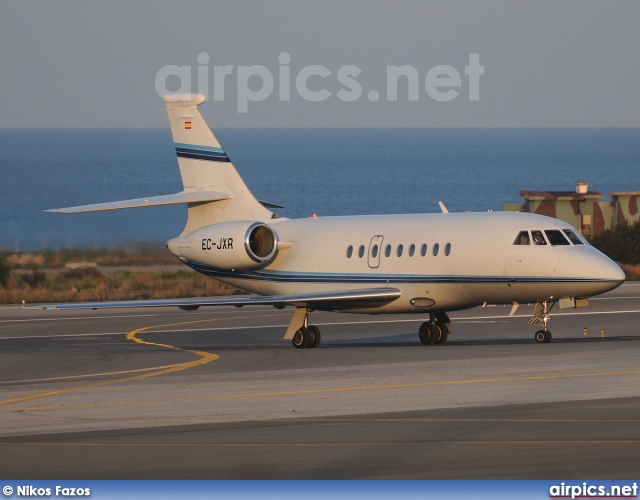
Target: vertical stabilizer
[(204, 166)]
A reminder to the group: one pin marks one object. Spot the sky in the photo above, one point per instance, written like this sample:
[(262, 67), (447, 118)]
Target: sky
[(544, 63)]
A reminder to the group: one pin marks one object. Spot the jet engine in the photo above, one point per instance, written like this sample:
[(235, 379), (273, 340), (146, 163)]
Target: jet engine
[(228, 245)]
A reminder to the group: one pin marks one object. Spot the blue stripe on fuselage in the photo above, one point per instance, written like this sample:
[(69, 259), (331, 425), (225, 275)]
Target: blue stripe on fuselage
[(389, 279)]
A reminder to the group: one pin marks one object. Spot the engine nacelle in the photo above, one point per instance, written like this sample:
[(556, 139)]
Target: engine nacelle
[(230, 245)]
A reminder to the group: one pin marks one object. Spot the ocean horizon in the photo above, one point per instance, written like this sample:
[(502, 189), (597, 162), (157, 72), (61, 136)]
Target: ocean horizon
[(327, 171)]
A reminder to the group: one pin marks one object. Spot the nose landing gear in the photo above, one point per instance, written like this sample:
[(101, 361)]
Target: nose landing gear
[(541, 315)]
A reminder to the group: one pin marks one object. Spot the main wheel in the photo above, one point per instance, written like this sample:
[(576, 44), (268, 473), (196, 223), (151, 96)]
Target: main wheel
[(444, 331), (314, 336), (541, 337), (301, 339), (428, 333)]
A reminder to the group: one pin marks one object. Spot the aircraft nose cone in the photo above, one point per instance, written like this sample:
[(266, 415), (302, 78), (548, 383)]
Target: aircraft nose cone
[(615, 273), (595, 272), (601, 268), (612, 272)]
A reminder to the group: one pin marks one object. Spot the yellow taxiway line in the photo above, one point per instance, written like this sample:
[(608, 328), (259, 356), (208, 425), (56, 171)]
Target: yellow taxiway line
[(203, 358)]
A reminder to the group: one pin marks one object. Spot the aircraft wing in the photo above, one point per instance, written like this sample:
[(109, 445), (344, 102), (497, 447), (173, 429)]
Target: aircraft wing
[(346, 299), (150, 201)]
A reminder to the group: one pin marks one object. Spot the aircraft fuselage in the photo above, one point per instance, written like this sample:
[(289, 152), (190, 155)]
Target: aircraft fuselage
[(438, 261)]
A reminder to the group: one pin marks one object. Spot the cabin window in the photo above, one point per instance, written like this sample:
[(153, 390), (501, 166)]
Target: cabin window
[(400, 249), (423, 250), (374, 251), (556, 237), (387, 251), (412, 250), (436, 249), (538, 239), (572, 236), (349, 251), (523, 238), (447, 249), (361, 251)]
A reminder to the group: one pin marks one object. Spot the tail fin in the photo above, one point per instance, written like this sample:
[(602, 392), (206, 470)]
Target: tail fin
[(213, 189), (204, 166)]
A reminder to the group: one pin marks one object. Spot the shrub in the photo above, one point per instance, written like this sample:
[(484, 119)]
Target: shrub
[(34, 279), (621, 244), (82, 273), (4, 272)]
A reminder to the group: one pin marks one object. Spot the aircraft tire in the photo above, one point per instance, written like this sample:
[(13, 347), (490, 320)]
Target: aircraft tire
[(427, 333), (547, 337), (314, 336), (541, 337), (443, 333), (301, 339)]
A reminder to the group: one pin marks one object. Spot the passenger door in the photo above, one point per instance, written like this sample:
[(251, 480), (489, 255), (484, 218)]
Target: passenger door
[(375, 247)]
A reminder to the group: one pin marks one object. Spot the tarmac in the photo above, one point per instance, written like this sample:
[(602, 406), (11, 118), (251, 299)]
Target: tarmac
[(217, 394)]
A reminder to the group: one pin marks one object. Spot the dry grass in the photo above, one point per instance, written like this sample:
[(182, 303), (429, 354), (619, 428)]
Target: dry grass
[(632, 272), (140, 254), (41, 277), (88, 285)]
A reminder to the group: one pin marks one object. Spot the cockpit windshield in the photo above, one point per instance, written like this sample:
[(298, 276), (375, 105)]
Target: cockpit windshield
[(553, 237), (573, 237), (538, 239), (556, 237), (522, 238)]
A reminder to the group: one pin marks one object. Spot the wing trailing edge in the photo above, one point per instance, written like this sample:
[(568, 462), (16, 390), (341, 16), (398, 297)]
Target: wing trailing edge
[(345, 299)]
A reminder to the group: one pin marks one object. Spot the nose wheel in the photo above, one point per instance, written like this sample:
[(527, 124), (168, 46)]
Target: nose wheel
[(543, 336)]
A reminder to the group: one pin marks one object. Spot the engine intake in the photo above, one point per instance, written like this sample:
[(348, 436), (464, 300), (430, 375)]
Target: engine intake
[(229, 245), (261, 243)]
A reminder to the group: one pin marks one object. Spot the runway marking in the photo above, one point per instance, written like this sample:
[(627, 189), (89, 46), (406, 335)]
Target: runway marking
[(74, 318), (204, 357), (333, 444), (339, 420), (133, 334), (63, 336), (614, 298), (104, 374), (458, 320), (414, 320), (96, 343), (255, 310), (528, 378), (425, 384)]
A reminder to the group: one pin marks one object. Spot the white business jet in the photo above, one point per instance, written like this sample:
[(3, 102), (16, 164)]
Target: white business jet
[(426, 264)]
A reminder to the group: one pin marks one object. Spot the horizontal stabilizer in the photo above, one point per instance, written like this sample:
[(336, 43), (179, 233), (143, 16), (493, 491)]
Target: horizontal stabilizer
[(351, 299), (152, 201)]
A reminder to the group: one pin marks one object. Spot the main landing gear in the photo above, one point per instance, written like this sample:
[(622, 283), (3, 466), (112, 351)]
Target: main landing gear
[(436, 330), (301, 333), (308, 336), (541, 315)]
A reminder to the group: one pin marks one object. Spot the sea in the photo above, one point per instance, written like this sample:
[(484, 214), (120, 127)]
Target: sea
[(308, 171)]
